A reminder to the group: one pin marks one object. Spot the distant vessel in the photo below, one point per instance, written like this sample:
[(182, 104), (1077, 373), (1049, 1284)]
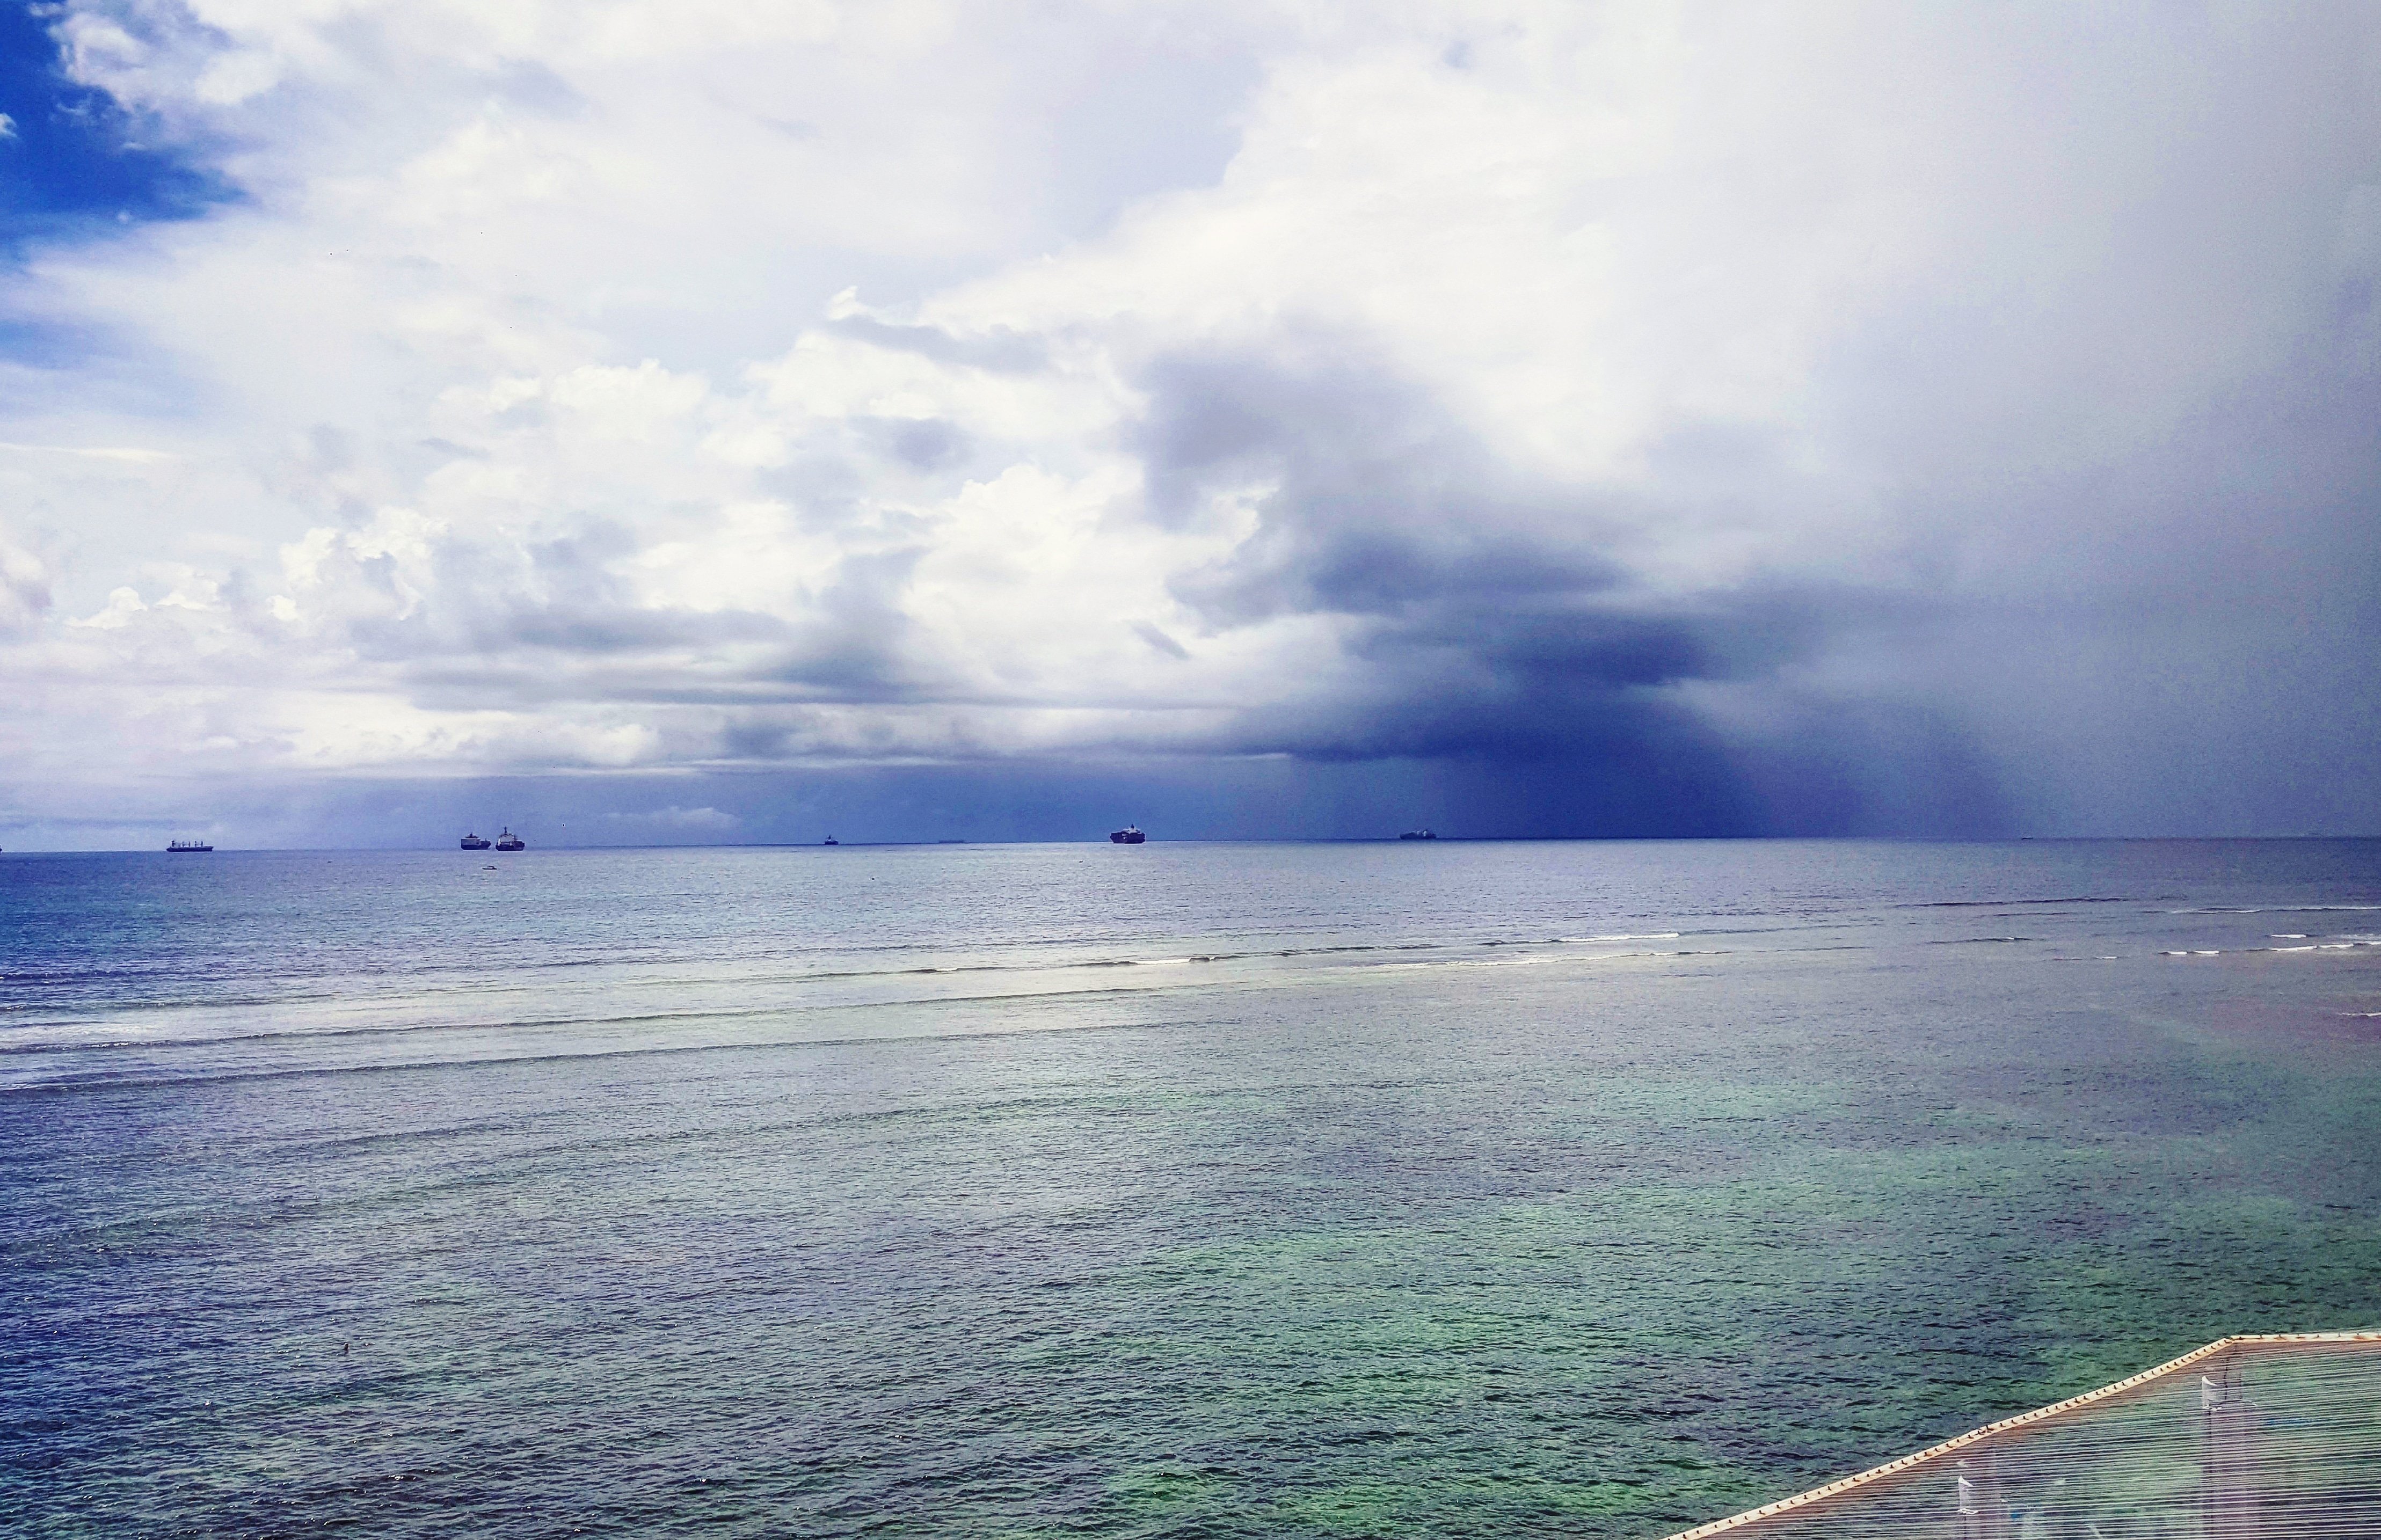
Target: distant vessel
[(1128, 835), (507, 840), (473, 842), (1417, 834), (831, 839), (188, 848)]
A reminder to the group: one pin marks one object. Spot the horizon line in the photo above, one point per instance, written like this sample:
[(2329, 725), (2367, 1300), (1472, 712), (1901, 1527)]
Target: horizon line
[(1262, 839)]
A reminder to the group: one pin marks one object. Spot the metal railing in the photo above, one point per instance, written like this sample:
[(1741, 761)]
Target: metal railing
[(2270, 1437)]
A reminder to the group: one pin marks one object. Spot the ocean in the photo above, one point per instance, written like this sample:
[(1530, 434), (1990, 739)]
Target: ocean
[(1215, 1190)]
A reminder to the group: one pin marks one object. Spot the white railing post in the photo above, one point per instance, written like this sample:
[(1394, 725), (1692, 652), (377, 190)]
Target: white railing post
[(2227, 1456)]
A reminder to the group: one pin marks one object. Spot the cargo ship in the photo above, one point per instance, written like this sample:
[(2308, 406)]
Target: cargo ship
[(188, 848), (507, 840), (1417, 834), (1128, 835), (473, 842)]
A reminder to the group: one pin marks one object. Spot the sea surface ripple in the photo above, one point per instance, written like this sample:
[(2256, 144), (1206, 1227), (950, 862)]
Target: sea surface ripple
[(1179, 1190)]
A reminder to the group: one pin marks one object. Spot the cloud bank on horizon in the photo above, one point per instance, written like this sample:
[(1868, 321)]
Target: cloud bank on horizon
[(719, 421)]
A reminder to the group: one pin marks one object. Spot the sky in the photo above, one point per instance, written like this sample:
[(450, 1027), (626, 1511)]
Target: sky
[(713, 420)]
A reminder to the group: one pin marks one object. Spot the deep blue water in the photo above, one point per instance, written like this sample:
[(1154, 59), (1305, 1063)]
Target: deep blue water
[(1178, 1190)]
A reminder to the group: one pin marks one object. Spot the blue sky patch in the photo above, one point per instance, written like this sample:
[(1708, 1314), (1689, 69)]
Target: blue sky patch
[(72, 162)]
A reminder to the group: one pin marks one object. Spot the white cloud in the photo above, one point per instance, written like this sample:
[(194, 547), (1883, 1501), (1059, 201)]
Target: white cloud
[(550, 405), (123, 604), (24, 587), (116, 452)]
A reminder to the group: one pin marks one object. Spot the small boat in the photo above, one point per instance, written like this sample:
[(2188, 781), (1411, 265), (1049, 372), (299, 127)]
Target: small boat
[(473, 842), (1417, 834), (188, 848), (507, 840), (831, 839), (1128, 835)]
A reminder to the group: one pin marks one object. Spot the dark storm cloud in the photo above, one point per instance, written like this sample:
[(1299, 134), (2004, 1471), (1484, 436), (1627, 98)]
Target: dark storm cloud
[(1497, 637)]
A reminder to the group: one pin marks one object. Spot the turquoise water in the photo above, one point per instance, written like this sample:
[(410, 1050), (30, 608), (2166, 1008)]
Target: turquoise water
[(1176, 1189)]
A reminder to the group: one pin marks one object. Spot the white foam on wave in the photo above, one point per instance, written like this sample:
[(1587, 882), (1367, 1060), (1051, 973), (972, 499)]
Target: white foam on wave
[(2349, 946), (1532, 959), (1648, 936), (2282, 909)]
